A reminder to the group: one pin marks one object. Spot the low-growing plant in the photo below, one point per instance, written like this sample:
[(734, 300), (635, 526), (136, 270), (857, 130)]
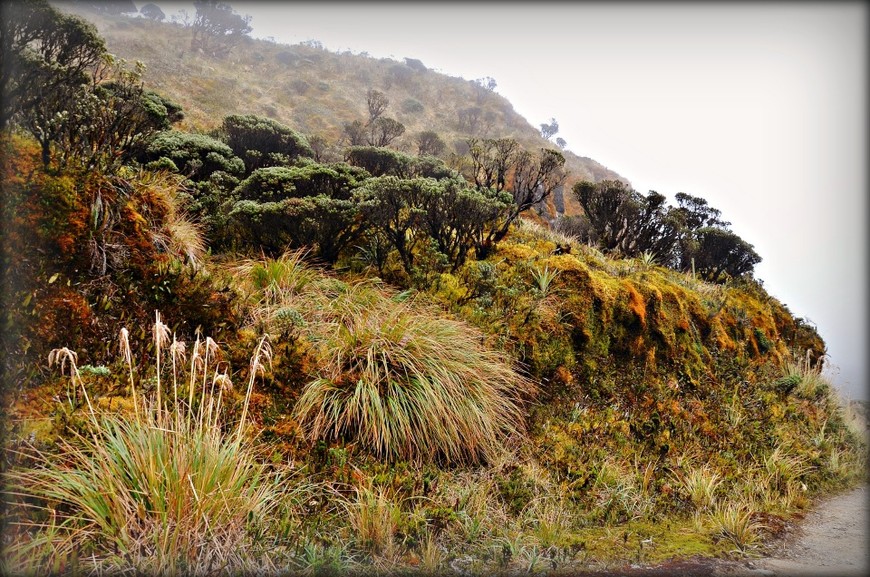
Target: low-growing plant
[(275, 281), (374, 517), (783, 467), (544, 278), (799, 376), (700, 484), (551, 520), (734, 522), (432, 555), (648, 258), (621, 495)]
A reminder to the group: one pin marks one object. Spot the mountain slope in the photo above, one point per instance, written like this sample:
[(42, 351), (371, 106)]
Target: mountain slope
[(317, 91)]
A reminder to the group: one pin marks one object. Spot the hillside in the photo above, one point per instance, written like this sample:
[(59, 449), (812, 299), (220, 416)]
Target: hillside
[(229, 352), (317, 91)]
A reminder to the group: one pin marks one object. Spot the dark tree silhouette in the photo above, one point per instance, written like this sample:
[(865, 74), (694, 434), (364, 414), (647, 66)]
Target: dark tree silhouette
[(377, 103), (429, 143), (217, 28), (152, 12)]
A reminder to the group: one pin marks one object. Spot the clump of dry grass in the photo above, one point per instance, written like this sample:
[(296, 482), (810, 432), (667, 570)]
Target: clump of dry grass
[(374, 518), (405, 382), (180, 234), (700, 484), (735, 522), (806, 377)]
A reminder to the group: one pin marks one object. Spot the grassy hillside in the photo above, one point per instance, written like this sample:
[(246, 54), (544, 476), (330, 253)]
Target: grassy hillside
[(531, 411), (316, 91), (227, 394)]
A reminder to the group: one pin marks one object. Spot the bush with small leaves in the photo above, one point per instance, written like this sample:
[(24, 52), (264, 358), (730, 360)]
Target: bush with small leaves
[(380, 161), (255, 138), (720, 253), (197, 156)]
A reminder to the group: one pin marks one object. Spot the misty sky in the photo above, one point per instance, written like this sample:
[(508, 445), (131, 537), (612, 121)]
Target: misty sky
[(760, 109)]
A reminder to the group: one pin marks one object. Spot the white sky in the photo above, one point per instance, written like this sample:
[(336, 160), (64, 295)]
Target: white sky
[(760, 109)]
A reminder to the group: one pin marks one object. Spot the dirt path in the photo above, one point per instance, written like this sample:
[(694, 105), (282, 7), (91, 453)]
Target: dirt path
[(831, 540)]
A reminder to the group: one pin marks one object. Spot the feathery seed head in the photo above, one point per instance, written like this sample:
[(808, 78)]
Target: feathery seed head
[(178, 350), (61, 357), (124, 342), (160, 332), (223, 381), (211, 347), (196, 361), (262, 355)]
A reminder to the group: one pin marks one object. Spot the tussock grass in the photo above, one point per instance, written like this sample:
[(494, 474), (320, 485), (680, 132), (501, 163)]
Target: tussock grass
[(394, 375), (275, 281), (432, 555), (167, 492), (621, 493), (807, 379), (405, 382), (374, 518), (784, 467), (180, 234), (700, 484), (734, 522), (551, 519)]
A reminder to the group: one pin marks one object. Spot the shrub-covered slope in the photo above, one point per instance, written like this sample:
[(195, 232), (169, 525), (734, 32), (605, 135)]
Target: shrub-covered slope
[(530, 407), (317, 91), (403, 387)]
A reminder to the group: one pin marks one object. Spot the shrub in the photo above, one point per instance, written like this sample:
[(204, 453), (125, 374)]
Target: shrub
[(256, 139), (312, 179), (326, 223), (196, 155), (303, 206), (380, 161), (412, 106)]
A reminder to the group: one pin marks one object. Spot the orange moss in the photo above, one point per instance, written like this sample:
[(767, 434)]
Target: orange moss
[(636, 303), (650, 361), (563, 375)]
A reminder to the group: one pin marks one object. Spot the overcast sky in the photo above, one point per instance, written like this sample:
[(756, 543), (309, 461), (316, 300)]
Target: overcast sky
[(758, 108)]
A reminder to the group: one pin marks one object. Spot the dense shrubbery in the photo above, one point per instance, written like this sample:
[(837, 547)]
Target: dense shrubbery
[(687, 237), (197, 156), (263, 142)]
